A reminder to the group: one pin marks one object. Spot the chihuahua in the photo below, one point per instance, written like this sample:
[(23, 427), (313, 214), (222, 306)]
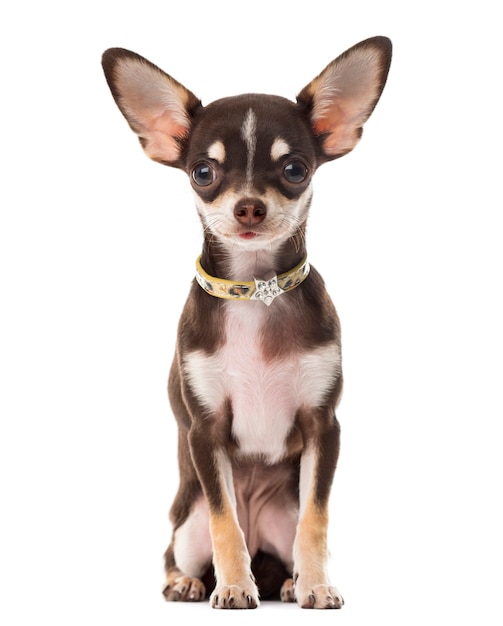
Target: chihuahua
[(257, 376)]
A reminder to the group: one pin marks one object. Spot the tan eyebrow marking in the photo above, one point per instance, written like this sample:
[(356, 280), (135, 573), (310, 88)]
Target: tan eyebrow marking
[(217, 151), (279, 148)]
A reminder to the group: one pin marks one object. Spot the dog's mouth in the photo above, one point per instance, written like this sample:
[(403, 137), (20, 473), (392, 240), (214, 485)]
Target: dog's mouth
[(250, 234), (257, 237)]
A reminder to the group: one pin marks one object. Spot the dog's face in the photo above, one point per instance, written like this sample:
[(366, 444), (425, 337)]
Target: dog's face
[(250, 160)]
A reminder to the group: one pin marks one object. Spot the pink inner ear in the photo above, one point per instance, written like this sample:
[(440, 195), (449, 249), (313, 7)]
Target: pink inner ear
[(342, 129), (161, 140), (325, 125), (345, 93), (155, 105)]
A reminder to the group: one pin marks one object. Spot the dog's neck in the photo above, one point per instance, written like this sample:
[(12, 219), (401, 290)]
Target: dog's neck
[(240, 264), (263, 289)]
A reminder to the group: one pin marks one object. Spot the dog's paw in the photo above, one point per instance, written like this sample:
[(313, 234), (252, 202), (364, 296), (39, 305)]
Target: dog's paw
[(234, 597), (287, 592), (184, 589), (318, 596)]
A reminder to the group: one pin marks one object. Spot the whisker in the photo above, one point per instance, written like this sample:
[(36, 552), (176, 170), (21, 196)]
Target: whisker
[(294, 224)]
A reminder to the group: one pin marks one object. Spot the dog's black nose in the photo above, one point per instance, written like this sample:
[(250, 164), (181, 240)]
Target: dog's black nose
[(250, 211)]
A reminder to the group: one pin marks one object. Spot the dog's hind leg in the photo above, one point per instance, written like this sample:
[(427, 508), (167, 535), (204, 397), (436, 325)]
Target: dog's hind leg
[(188, 557), (179, 587)]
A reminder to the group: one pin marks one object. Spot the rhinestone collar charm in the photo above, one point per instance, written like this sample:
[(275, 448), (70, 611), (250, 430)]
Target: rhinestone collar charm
[(267, 290)]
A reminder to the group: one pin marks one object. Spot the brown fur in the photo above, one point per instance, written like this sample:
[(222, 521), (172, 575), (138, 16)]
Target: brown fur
[(246, 502)]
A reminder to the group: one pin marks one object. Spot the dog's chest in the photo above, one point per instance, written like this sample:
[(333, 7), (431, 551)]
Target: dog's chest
[(264, 393)]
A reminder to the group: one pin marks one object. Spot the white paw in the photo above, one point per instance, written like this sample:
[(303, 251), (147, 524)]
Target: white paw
[(184, 589), (317, 596), (235, 597)]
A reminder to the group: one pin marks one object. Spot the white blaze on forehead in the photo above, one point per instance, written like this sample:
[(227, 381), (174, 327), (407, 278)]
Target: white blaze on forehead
[(279, 148), (217, 151), (249, 136)]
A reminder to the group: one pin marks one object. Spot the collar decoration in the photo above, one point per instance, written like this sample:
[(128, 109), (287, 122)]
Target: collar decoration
[(259, 289)]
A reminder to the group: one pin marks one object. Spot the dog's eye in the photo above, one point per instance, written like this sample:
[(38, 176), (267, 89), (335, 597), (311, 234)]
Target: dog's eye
[(295, 172), (203, 174)]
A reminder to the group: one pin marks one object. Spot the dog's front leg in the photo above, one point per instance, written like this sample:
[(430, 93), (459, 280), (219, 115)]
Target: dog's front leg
[(312, 586), (235, 587)]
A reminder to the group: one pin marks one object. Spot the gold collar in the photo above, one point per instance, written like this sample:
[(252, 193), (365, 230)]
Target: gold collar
[(259, 289)]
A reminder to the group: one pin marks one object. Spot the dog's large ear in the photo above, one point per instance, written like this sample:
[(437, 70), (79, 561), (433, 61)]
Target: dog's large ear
[(157, 107), (340, 100)]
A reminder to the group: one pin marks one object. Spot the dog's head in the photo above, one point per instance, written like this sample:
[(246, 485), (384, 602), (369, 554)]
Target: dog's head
[(251, 158)]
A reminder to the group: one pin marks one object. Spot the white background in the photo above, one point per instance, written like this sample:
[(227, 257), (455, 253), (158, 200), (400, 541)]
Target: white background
[(97, 250)]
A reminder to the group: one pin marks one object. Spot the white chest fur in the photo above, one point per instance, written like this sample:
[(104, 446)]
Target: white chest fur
[(265, 395)]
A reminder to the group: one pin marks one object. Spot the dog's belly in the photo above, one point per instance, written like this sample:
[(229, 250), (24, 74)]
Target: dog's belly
[(267, 510), (267, 507), (265, 394)]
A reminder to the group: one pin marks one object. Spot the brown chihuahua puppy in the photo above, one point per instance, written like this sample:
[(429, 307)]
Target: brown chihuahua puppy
[(257, 373)]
